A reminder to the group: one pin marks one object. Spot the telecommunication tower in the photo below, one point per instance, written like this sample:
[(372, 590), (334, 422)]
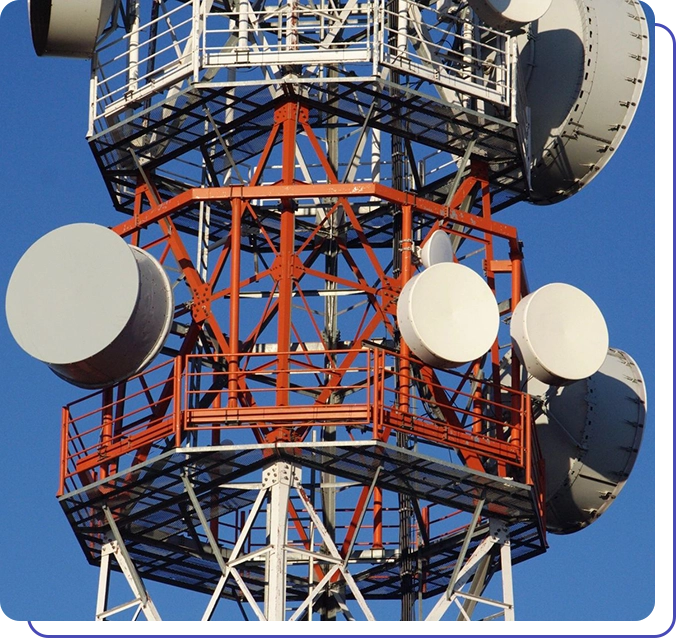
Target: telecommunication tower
[(317, 378)]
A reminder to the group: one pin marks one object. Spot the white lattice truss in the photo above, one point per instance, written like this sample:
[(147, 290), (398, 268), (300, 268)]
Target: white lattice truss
[(464, 591)]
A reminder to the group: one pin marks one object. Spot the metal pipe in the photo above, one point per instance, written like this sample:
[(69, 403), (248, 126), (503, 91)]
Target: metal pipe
[(288, 113), (134, 41), (235, 276)]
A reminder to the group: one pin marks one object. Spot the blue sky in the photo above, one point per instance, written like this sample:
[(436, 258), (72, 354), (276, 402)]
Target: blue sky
[(602, 241)]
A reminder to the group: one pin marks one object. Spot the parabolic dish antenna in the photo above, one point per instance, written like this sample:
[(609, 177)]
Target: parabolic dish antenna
[(95, 309), (448, 315), (589, 433), (509, 14), (68, 28), (438, 249), (559, 334), (583, 68)]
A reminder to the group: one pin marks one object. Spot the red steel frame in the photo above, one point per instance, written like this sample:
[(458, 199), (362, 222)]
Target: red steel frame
[(386, 409)]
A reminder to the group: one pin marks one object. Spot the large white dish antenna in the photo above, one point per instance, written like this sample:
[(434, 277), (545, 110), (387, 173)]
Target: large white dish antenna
[(589, 433), (68, 28), (509, 14), (448, 315), (583, 69), (559, 334), (95, 309)]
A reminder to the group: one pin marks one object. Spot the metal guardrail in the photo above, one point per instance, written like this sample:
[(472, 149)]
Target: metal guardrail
[(371, 393), (191, 43), (143, 62), (289, 34), (447, 50)]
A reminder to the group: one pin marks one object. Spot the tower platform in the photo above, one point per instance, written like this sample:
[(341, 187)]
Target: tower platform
[(163, 535)]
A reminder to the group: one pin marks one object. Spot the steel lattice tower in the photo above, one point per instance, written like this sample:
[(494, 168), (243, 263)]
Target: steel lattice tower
[(285, 163)]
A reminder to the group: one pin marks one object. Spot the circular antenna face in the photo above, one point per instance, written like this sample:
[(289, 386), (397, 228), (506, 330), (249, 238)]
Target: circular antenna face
[(583, 68), (559, 334), (589, 433), (72, 293), (448, 315), (509, 14), (437, 249), (95, 309)]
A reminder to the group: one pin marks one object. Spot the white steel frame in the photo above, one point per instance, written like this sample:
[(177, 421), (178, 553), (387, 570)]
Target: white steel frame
[(191, 43), (115, 549), (475, 566), (465, 588)]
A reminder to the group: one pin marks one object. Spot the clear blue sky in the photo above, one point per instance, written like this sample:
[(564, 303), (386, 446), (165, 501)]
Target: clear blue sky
[(601, 241)]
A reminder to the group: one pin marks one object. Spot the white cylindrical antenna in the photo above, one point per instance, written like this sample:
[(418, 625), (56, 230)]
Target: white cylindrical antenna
[(448, 315), (438, 249), (68, 28), (583, 68), (95, 309), (559, 334), (589, 433), (509, 14)]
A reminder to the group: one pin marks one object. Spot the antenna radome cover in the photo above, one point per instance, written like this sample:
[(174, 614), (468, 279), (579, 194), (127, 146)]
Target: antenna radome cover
[(95, 309)]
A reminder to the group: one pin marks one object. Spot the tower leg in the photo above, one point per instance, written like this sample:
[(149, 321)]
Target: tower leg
[(142, 601), (278, 479), (506, 570), (474, 572), (115, 548)]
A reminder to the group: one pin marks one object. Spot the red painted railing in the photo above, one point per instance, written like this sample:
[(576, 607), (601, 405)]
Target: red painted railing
[(365, 393)]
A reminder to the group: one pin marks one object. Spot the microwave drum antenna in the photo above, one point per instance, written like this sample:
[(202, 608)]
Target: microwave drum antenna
[(589, 433), (583, 67), (559, 334), (92, 307), (448, 315), (68, 28), (509, 14)]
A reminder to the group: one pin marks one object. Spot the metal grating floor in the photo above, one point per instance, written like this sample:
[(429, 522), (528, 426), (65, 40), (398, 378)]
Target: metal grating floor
[(162, 535), (174, 140)]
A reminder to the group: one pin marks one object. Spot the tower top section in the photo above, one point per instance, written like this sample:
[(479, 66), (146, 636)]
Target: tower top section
[(541, 92)]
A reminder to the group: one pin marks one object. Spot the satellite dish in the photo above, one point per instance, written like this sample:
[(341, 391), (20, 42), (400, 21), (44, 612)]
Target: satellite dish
[(68, 28), (589, 433), (509, 14), (95, 309), (559, 334), (448, 315), (438, 249), (583, 68)]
